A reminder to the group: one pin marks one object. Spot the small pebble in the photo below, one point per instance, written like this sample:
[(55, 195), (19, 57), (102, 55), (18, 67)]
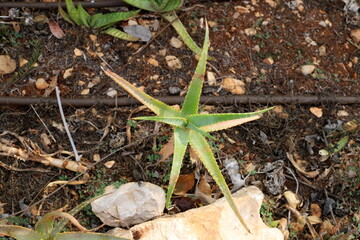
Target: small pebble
[(174, 90)]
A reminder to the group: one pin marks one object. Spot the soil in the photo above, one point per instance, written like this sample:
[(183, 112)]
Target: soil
[(268, 62)]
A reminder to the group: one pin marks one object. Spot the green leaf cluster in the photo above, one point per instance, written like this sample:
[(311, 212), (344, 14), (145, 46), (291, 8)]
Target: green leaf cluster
[(49, 229), (166, 9), (190, 127), (81, 17)]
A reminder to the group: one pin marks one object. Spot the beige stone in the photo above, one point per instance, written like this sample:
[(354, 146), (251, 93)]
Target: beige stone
[(153, 62), (233, 85), (241, 9), (355, 35), (173, 62), (176, 43), (7, 64), (215, 221), (41, 84), (307, 69)]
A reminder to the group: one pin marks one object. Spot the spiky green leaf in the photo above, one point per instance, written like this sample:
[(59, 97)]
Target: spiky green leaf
[(73, 12), (174, 121), (95, 18), (158, 107), (110, 19), (120, 34), (181, 140), (192, 98), (142, 4), (170, 5), (84, 16), (203, 150), (64, 14), (181, 30), (199, 130), (20, 233), (216, 122), (87, 236)]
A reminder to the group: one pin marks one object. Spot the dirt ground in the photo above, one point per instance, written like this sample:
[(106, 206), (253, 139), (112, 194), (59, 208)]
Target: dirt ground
[(263, 44)]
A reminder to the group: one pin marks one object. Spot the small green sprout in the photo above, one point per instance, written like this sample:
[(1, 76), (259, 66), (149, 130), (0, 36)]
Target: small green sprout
[(104, 21)]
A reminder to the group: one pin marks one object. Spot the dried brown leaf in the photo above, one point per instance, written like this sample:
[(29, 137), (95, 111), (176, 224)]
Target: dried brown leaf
[(315, 209), (184, 183), (56, 30), (203, 191), (312, 174), (167, 150), (292, 199)]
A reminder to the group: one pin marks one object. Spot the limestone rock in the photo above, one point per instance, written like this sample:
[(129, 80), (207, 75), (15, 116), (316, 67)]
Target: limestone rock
[(355, 35), (132, 203), (215, 221), (173, 62)]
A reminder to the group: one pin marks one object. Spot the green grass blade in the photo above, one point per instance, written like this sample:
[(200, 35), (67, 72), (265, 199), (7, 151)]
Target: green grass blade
[(64, 14), (174, 121), (192, 98), (170, 5), (158, 107), (216, 122), (181, 30), (181, 139), (87, 236), (112, 18), (95, 18), (73, 12), (84, 16), (120, 34), (20, 233), (203, 150), (142, 4)]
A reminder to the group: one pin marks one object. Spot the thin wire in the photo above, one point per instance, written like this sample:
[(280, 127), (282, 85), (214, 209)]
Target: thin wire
[(77, 158)]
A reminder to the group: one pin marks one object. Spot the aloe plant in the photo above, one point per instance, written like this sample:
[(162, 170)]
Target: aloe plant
[(166, 9), (190, 127), (82, 18), (48, 229)]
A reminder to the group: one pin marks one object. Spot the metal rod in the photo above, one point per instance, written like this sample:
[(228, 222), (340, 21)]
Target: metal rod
[(225, 100), (48, 5)]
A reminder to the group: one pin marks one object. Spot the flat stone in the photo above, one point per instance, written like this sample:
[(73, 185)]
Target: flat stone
[(215, 221), (132, 203)]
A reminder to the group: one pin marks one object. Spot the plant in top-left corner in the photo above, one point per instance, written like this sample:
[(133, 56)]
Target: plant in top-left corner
[(105, 22)]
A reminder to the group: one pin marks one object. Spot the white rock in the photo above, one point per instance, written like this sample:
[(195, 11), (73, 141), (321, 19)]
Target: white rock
[(250, 31), (211, 78), (176, 43), (215, 221), (322, 50), (132, 203), (173, 62), (307, 69), (256, 48), (111, 92), (355, 35)]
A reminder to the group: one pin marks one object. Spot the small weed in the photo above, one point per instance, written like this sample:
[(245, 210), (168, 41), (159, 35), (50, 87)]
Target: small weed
[(153, 157), (19, 221), (265, 212), (132, 123), (299, 56)]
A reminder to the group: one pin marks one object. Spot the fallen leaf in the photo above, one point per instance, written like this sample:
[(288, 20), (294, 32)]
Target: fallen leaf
[(194, 157), (203, 191), (167, 150), (316, 111), (292, 199), (56, 30), (78, 52), (312, 174), (184, 183), (314, 220), (41, 84), (315, 209), (7, 64)]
